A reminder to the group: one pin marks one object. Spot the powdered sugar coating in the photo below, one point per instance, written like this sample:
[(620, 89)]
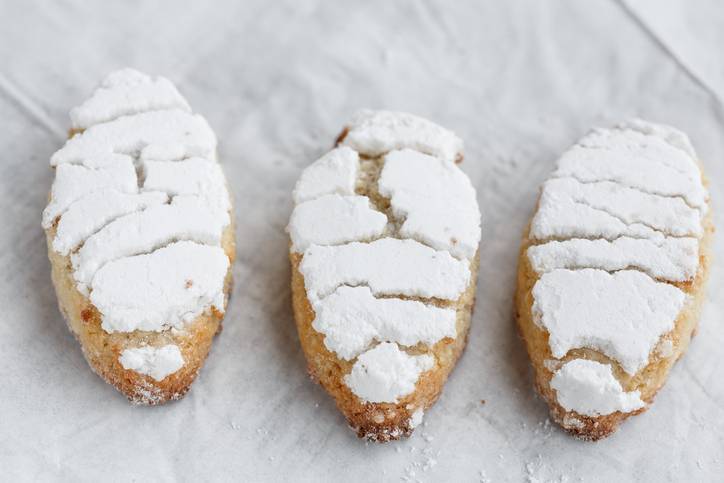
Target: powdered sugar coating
[(125, 92), (622, 315), (389, 266), (630, 153), (426, 212), (334, 219), (589, 388), (145, 231), (122, 223), (569, 208), (157, 362), (95, 210), (333, 173), (674, 137), (197, 177), (631, 200), (166, 288), (351, 318), (74, 182), (373, 133), (385, 373), (155, 135), (674, 259), (435, 199)]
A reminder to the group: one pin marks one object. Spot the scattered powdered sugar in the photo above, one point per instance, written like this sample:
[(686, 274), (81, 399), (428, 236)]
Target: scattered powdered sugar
[(537, 471), (532, 468), (147, 393), (425, 459)]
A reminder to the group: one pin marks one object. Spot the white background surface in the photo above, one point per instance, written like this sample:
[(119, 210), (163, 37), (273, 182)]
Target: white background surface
[(519, 81)]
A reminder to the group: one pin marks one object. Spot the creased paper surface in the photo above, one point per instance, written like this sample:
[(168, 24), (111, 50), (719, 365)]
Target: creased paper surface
[(519, 81)]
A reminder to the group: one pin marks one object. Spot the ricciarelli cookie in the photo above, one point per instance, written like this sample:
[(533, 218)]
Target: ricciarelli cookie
[(612, 272), (140, 236), (384, 254)]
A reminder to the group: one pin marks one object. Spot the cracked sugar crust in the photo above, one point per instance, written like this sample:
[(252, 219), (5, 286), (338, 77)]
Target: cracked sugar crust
[(628, 154), (74, 182), (145, 231), (140, 235), (377, 276), (194, 177), (671, 259), (388, 266), (333, 173), (613, 267), (622, 315), (155, 135), (352, 318), (569, 208), (435, 199), (334, 220), (375, 133), (126, 92), (89, 214)]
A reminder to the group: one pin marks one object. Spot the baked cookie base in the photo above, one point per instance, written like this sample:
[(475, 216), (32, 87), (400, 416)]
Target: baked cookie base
[(102, 349), (380, 422), (647, 380)]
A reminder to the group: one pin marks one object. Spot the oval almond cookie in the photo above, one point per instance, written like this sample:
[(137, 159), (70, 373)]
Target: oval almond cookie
[(384, 253), (140, 236), (612, 271)]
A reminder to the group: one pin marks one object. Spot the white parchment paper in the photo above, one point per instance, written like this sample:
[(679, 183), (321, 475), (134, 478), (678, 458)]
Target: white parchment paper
[(518, 80)]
